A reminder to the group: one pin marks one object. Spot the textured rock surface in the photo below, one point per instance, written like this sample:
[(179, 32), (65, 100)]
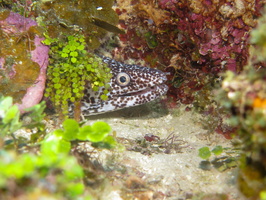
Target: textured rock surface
[(35, 92), (23, 61), (195, 40), (174, 172)]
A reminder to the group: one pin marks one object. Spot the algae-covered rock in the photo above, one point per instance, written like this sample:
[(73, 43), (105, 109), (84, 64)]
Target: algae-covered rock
[(23, 60), (244, 95), (91, 17)]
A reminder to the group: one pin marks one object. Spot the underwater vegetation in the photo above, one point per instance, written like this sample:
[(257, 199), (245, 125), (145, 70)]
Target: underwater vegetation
[(244, 94), (41, 166), (23, 59), (91, 18), (69, 37), (70, 69), (194, 40), (214, 158)]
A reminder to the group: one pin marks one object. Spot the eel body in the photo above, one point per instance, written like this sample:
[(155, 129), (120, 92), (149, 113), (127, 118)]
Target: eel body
[(130, 85)]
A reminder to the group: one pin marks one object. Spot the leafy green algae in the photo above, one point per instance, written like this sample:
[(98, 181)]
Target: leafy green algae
[(71, 69), (73, 28)]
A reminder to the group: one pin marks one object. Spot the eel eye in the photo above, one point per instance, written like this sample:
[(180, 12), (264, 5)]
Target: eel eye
[(123, 79)]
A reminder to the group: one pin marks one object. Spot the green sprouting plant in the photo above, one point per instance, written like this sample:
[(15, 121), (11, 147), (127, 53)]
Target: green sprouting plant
[(205, 153), (27, 170), (9, 115), (221, 163), (61, 140), (71, 69), (11, 122), (41, 175), (53, 172)]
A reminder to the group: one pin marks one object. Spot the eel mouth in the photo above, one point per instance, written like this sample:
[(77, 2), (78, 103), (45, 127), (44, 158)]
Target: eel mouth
[(156, 89)]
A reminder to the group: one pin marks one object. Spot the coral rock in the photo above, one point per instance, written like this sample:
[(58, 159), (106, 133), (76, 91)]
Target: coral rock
[(22, 76)]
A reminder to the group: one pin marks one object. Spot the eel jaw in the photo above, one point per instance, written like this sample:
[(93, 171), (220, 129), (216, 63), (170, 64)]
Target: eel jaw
[(117, 102), (153, 88)]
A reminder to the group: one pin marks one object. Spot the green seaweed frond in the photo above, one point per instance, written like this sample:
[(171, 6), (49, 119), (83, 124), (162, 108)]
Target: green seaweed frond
[(71, 69)]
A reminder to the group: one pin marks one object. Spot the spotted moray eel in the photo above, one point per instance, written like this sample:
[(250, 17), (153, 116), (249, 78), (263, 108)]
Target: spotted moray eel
[(130, 85)]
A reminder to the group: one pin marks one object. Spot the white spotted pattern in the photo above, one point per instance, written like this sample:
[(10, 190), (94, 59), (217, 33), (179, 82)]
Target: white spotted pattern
[(145, 84)]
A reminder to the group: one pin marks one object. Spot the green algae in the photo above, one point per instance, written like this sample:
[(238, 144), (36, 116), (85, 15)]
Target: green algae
[(73, 28), (71, 69), (151, 40)]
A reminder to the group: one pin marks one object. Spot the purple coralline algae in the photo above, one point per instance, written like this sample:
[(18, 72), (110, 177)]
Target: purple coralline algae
[(218, 29), (195, 40)]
